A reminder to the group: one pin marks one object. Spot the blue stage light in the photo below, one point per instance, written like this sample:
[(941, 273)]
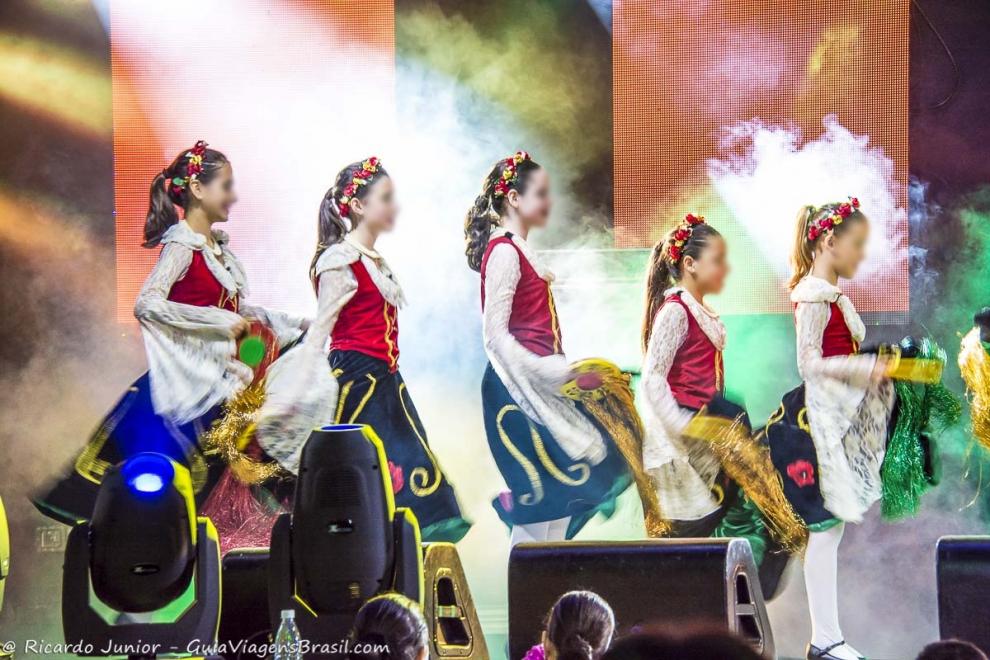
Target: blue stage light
[(148, 473)]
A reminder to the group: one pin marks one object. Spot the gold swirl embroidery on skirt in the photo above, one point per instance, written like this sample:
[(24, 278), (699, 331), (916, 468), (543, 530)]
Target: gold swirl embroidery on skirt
[(344, 391), (419, 478), (583, 469), (364, 399), (536, 496), (774, 418)]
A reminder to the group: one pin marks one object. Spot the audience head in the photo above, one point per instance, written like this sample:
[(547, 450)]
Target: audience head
[(951, 649), (579, 627), (392, 623), (701, 645)]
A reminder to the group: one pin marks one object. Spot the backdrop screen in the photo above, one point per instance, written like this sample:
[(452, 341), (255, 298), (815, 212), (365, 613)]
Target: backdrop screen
[(745, 110)]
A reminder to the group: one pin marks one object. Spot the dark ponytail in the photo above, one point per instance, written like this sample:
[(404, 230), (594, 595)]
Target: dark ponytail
[(164, 196), (486, 212), (331, 226), (392, 623), (580, 626), (663, 271)]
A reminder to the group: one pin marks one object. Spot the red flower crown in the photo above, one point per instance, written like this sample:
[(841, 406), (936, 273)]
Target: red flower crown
[(681, 235), (369, 169), (510, 174), (840, 211), (194, 166)]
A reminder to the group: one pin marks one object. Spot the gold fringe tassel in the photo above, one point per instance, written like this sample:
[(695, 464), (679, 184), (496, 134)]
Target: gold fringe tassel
[(231, 434), (613, 407), (747, 462), (974, 364)]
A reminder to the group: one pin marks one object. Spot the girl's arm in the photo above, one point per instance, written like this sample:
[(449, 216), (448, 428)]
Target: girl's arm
[(153, 304), (812, 317), (300, 389), (287, 327), (670, 328), (502, 274)]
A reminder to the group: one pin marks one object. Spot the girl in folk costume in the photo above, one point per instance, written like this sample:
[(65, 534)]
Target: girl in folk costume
[(192, 312), (559, 465), (358, 302), (682, 373), (829, 438)]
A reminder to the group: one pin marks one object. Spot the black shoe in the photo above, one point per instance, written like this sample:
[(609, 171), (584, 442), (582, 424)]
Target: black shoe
[(815, 653)]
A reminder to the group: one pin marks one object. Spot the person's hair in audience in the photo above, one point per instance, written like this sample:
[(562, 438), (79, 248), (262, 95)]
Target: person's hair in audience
[(579, 627), (698, 645), (951, 649), (389, 627)]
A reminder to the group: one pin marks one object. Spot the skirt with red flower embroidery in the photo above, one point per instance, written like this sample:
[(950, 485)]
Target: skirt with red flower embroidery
[(372, 394), (793, 453)]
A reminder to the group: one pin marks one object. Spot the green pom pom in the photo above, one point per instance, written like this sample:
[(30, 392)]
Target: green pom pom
[(252, 351)]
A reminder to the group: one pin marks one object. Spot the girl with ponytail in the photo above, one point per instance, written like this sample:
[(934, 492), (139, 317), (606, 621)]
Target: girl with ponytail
[(561, 467), (829, 436), (358, 298), (192, 312), (579, 627), (682, 374)]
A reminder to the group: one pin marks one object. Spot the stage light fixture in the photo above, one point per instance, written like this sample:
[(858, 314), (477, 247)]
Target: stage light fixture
[(344, 509), (145, 571)]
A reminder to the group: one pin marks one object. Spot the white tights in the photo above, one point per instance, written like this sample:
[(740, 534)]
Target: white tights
[(550, 530), (821, 582)]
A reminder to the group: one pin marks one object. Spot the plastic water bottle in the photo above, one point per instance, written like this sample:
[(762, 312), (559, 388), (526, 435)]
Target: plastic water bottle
[(287, 641)]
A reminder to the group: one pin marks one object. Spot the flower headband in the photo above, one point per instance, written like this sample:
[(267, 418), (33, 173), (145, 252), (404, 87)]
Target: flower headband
[(194, 166), (839, 213), (682, 235), (510, 174), (369, 169)]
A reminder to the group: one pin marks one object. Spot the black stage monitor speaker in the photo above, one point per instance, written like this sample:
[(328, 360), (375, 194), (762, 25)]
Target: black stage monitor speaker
[(962, 568), (244, 616), (449, 609), (663, 581)]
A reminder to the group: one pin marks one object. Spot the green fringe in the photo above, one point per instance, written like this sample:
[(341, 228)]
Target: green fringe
[(922, 409)]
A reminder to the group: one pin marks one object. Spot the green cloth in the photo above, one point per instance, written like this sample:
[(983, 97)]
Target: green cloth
[(922, 410), (744, 520)]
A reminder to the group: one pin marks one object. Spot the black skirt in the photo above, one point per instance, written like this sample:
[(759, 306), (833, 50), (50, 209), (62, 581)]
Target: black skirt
[(544, 482), (131, 427), (370, 394)]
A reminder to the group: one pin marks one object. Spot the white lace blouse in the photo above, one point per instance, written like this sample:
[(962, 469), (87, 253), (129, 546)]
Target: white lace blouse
[(301, 391), (683, 471), (847, 414), (191, 349), (533, 381)]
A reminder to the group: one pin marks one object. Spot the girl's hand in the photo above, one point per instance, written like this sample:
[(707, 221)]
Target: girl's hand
[(881, 369), (240, 329)]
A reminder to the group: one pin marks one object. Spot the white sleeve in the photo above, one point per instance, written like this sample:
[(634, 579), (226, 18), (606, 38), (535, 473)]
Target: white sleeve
[(287, 327), (812, 318), (300, 389), (502, 273), (670, 329), (153, 305)]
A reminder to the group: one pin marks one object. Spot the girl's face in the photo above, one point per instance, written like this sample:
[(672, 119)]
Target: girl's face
[(711, 267), (377, 208), (217, 196), (533, 206), (847, 250)]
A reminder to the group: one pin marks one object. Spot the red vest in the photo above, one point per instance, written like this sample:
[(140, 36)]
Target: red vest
[(837, 340), (368, 323), (199, 287), (533, 321), (696, 374)]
